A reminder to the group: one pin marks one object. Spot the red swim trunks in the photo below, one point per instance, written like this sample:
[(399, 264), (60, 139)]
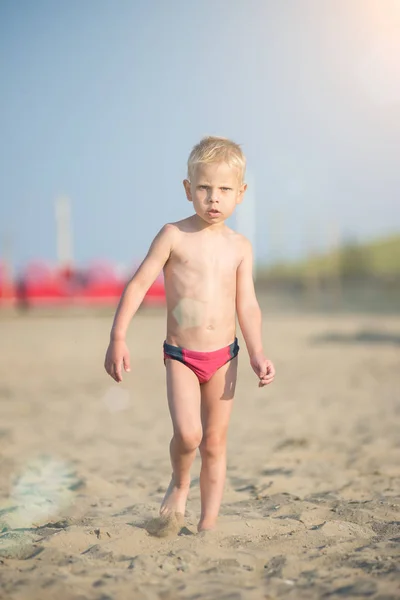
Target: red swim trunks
[(203, 364)]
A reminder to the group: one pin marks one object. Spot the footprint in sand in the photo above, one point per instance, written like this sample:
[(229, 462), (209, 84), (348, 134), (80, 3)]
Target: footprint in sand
[(346, 529)]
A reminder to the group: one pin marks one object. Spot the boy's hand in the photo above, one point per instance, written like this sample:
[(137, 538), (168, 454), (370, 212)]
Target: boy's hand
[(263, 368), (117, 355)]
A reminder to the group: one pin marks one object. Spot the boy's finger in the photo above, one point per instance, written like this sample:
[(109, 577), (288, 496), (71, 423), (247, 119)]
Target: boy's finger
[(271, 369), (127, 365), (266, 380), (117, 373)]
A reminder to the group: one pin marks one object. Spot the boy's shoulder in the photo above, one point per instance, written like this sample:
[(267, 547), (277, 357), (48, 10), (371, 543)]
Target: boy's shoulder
[(176, 227), (169, 231), (239, 239)]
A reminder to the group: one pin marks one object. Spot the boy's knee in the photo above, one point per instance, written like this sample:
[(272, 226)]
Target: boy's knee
[(213, 444), (188, 440)]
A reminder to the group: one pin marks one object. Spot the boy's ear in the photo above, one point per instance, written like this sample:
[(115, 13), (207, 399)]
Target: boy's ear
[(186, 185), (242, 191)]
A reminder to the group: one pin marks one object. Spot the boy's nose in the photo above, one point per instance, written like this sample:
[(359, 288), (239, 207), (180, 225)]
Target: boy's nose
[(214, 196)]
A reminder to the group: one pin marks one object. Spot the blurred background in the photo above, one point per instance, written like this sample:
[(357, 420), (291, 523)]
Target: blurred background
[(102, 102)]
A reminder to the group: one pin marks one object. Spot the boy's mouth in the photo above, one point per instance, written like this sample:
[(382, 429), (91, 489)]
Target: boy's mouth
[(213, 211)]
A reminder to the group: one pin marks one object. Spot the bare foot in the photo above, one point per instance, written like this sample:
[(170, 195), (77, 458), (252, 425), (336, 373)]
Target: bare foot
[(165, 525), (174, 499), (206, 526)]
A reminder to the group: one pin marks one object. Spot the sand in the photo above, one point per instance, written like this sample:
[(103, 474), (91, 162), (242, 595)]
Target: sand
[(311, 507)]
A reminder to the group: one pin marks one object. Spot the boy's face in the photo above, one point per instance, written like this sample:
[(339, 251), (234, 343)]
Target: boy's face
[(215, 190)]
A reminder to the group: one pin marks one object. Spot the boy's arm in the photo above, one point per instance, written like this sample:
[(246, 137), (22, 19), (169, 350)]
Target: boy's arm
[(250, 317), (144, 277), (247, 307), (117, 355)]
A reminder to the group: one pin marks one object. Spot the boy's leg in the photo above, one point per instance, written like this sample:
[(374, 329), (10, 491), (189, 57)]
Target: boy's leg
[(216, 405), (183, 392)]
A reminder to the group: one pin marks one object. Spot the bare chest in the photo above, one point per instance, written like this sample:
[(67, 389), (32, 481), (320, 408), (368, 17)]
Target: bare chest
[(205, 262)]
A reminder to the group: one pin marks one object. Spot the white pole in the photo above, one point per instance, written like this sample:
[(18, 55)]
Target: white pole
[(64, 232), (246, 217)]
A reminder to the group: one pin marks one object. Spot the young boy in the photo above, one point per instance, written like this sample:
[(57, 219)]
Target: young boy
[(208, 280)]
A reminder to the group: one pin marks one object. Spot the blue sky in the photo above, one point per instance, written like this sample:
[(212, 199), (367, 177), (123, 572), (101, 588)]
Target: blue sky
[(102, 101)]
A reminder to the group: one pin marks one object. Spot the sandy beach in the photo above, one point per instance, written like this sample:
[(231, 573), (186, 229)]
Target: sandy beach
[(311, 506)]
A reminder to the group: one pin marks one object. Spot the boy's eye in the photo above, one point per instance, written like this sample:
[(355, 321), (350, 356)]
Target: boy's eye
[(206, 187)]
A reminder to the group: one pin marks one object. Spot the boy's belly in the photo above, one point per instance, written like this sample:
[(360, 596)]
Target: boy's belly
[(201, 325)]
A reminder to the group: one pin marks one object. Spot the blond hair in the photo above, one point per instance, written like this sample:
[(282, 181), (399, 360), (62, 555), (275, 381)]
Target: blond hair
[(212, 149)]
